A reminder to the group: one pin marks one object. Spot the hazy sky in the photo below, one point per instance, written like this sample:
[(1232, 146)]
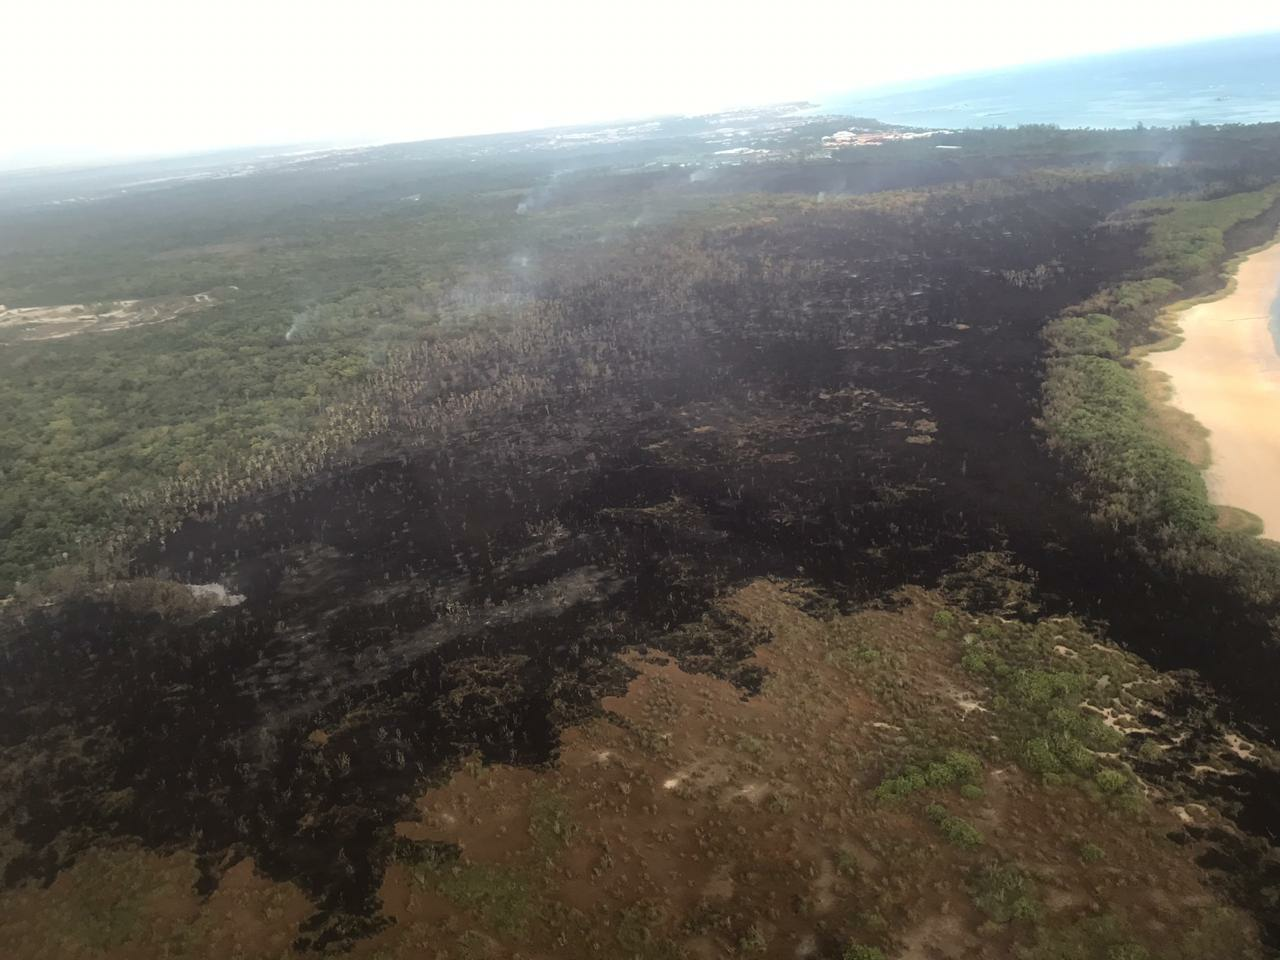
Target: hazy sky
[(90, 79)]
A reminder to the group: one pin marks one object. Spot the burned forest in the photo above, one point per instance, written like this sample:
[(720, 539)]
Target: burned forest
[(791, 464)]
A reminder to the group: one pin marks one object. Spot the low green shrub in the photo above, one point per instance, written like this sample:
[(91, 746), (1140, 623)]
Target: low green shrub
[(1092, 335), (956, 767), (956, 830), (1111, 781), (1004, 893), (1091, 853)]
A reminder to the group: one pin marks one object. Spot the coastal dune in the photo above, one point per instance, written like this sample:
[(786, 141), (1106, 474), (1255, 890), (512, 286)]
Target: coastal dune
[(1226, 373)]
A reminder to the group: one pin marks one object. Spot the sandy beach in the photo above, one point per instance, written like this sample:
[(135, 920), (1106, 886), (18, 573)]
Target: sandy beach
[(1226, 374)]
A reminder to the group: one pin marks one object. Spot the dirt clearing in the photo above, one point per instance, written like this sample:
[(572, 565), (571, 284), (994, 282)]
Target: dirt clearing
[(19, 324)]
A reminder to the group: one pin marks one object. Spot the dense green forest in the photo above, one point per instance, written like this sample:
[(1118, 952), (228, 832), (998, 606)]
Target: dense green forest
[(320, 298)]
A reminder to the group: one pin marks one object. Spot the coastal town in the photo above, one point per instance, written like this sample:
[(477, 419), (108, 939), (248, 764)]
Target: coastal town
[(878, 138)]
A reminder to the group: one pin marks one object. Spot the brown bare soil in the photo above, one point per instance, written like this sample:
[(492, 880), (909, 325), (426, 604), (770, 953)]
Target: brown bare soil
[(122, 903), (692, 820)]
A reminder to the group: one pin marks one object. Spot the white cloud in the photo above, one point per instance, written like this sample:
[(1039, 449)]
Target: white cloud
[(94, 78)]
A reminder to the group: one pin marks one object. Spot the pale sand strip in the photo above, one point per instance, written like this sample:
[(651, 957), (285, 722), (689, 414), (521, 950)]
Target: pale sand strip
[(1226, 374)]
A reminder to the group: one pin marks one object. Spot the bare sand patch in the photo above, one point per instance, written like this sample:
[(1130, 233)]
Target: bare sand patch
[(58, 322), (1226, 373)]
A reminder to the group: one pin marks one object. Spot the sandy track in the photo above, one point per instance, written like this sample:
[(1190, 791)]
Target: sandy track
[(1226, 374)]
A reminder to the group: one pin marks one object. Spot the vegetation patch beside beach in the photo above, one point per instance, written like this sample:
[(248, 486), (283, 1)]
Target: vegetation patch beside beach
[(1138, 459)]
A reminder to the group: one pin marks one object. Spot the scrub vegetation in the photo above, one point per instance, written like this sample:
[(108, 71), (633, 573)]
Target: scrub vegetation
[(1137, 467), (656, 834), (571, 547), (1097, 413)]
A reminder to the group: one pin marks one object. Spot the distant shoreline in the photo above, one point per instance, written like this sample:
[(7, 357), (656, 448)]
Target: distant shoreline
[(1225, 373)]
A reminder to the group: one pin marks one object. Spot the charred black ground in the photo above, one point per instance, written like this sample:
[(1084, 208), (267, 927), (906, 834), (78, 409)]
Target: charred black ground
[(848, 395)]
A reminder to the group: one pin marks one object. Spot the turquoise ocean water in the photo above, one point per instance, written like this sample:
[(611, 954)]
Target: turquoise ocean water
[(1222, 81)]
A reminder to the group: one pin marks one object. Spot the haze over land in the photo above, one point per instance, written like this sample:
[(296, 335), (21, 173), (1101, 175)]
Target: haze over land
[(395, 70)]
